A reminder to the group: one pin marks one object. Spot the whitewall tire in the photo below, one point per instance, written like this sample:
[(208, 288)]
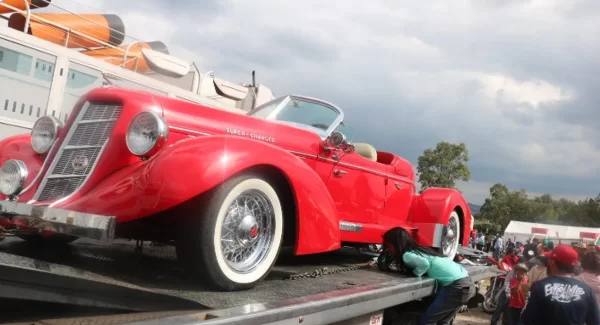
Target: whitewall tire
[(451, 236), (235, 243)]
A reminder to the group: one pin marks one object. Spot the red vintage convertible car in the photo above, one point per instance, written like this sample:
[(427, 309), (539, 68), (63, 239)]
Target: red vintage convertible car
[(229, 189)]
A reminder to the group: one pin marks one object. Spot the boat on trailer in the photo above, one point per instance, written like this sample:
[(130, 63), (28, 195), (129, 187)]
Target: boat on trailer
[(49, 59)]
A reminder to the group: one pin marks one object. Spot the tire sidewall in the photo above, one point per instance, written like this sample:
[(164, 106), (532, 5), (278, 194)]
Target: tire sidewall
[(264, 267)]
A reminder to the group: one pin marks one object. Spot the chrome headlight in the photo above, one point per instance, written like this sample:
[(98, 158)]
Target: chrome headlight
[(147, 132), (13, 175), (44, 133)]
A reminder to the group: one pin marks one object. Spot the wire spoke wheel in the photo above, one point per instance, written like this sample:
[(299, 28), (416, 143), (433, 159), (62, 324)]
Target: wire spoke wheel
[(451, 236), (248, 231)]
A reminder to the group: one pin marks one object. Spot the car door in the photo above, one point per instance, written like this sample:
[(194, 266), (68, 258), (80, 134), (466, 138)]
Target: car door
[(357, 185), (398, 198), (400, 191)]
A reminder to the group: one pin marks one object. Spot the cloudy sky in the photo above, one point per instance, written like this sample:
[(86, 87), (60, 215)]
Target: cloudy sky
[(516, 80)]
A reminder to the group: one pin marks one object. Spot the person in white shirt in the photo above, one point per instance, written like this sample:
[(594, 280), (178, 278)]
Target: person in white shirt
[(498, 248)]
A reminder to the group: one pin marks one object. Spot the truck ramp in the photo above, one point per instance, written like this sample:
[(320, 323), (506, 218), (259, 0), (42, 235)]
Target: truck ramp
[(117, 284)]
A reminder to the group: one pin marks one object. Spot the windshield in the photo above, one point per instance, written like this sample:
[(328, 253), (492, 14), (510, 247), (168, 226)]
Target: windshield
[(300, 112)]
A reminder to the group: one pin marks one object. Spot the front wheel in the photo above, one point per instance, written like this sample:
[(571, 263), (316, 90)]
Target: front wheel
[(489, 304), (234, 243), (451, 236)]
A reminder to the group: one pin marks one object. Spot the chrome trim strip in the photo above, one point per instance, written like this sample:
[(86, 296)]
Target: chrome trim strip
[(65, 176), (51, 153), (95, 121), (377, 172), (60, 221), (350, 226), (82, 147), (299, 153), (186, 130)]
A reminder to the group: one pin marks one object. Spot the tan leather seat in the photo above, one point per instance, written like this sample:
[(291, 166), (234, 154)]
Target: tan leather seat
[(366, 150)]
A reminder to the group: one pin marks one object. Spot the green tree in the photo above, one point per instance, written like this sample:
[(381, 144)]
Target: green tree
[(504, 205), (444, 165)]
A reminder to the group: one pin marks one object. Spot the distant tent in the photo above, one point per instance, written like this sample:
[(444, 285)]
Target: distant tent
[(522, 231)]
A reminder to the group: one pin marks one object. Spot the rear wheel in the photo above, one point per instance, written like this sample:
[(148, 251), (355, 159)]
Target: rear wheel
[(234, 242), (451, 236)]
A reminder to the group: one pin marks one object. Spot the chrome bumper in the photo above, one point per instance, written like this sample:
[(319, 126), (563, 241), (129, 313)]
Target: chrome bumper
[(60, 221)]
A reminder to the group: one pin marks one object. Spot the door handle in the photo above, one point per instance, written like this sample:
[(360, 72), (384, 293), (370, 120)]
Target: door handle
[(339, 172), (398, 185)]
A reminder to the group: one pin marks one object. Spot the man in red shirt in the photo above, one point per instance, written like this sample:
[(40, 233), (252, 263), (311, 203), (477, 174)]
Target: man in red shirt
[(516, 294)]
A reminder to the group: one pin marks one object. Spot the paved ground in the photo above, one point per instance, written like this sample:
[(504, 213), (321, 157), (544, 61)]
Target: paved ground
[(475, 316)]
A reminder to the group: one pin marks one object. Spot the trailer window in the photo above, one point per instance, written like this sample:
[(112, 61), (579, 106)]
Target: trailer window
[(15, 61)]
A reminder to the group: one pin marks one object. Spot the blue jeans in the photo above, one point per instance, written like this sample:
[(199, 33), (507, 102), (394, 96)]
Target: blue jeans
[(444, 307), (497, 252), (500, 307)]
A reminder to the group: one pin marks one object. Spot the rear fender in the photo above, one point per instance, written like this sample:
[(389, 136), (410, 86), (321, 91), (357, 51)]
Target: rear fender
[(431, 210), (194, 166)]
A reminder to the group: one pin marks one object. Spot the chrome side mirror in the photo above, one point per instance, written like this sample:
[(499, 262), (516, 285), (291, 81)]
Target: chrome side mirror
[(336, 139)]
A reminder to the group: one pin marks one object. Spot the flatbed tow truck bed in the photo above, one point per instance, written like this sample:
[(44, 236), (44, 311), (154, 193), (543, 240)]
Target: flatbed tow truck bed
[(114, 284)]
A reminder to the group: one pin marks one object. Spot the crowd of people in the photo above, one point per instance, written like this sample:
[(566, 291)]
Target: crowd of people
[(550, 285), (547, 285)]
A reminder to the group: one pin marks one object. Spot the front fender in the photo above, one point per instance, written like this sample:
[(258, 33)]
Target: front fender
[(212, 160), (434, 206), (194, 166)]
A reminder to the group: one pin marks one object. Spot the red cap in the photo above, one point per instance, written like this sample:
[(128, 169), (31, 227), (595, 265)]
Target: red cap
[(564, 254)]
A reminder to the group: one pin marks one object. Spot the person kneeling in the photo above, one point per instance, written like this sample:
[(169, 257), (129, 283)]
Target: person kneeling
[(401, 253)]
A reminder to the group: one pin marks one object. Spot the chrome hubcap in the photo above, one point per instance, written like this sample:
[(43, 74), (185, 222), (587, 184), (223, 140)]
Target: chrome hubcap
[(449, 239), (248, 231)]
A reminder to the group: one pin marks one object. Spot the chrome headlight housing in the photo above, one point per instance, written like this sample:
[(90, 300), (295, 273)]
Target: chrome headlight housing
[(13, 175), (44, 133), (147, 132)]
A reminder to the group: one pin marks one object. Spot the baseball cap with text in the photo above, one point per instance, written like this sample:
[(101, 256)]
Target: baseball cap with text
[(564, 254)]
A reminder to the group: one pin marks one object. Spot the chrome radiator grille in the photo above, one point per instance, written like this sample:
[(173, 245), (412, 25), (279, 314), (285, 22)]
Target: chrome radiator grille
[(80, 150)]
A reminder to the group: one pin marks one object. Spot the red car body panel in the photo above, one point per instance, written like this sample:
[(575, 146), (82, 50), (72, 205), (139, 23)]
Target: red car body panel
[(207, 146)]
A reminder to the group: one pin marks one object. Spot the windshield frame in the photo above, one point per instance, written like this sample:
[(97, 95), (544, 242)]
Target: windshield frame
[(283, 102)]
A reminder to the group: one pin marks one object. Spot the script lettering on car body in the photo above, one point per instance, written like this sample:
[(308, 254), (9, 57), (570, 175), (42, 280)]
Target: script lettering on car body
[(254, 136)]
